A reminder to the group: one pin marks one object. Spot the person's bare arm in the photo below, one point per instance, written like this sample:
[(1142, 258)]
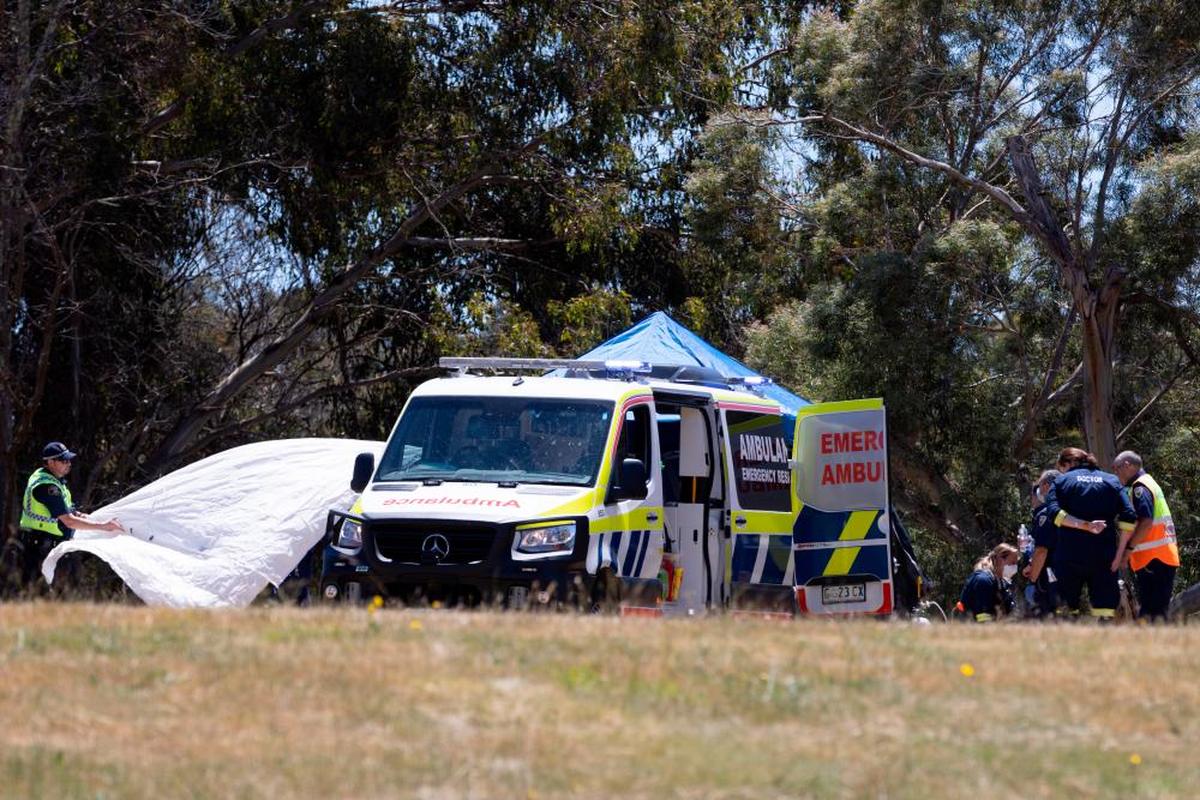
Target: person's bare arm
[(82, 522), (1034, 570), (1131, 537), (1065, 520)]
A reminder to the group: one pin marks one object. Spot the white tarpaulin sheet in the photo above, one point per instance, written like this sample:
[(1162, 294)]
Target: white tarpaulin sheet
[(215, 533)]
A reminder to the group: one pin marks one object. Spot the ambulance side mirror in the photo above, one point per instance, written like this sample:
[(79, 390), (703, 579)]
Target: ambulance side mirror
[(631, 484), (364, 466)]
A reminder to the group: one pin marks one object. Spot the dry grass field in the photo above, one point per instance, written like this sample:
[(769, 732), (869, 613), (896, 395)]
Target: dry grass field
[(125, 702)]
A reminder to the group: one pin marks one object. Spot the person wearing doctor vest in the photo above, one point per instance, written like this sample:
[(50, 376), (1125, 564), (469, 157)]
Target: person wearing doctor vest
[(988, 594), (1089, 506), (1151, 548)]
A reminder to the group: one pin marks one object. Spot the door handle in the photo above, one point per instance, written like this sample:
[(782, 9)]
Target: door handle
[(652, 517), (740, 520)]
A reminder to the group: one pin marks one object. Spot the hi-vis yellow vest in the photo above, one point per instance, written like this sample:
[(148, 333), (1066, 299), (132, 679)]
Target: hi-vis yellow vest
[(35, 515), (1160, 542)]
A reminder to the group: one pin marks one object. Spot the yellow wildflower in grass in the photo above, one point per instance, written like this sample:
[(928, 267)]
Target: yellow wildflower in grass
[(967, 670), (415, 625), (1135, 759)]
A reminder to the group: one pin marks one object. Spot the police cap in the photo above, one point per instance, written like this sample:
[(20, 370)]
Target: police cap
[(57, 450)]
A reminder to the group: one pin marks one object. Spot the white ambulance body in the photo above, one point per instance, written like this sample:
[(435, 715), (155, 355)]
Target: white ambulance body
[(653, 489)]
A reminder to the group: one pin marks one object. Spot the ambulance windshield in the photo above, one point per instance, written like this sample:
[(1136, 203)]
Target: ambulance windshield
[(499, 439)]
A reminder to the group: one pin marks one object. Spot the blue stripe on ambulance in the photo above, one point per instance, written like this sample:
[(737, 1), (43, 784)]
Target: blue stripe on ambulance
[(759, 558), (641, 562), (814, 527), (871, 559), (631, 553), (614, 551), (827, 526)]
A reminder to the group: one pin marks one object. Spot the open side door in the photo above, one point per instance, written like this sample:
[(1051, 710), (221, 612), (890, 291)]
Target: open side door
[(760, 562), (843, 556), (626, 536)]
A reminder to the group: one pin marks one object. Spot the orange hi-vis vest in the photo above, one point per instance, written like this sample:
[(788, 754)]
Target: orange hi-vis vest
[(1160, 542)]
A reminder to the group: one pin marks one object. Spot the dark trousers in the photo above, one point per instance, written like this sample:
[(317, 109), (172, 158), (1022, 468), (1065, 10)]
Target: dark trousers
[(1103, 590), (35, 546), (1155, 583)]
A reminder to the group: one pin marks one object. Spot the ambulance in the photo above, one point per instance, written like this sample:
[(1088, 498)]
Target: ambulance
[(626, 486)]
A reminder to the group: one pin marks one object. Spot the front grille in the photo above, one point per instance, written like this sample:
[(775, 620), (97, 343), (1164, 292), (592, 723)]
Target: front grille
[(406, 544)]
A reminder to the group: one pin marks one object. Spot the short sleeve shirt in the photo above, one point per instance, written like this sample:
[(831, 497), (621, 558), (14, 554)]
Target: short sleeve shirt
[(49, 495), (1045, 532), (1143, 501), (52, 498)]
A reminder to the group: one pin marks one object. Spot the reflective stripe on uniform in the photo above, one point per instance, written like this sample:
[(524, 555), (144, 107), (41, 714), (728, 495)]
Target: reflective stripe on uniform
[(1160, 540), (1104, 613), (1168, 539), (34, 514), (983, 618)]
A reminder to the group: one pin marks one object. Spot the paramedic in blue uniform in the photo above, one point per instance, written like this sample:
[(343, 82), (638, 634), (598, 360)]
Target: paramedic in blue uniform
[(988, 595), (48, 514), (1045, 535), (1088, 506)]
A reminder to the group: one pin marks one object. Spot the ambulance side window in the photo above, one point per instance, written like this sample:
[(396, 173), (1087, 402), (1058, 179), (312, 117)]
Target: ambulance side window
[(635, 439), (759, 460)]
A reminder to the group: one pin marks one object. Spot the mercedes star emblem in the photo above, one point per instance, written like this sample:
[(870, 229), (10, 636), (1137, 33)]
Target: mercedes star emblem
[(436, 545)]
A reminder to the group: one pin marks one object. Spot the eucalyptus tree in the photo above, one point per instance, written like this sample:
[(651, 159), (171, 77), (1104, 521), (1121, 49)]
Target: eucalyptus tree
[(1061, 121)]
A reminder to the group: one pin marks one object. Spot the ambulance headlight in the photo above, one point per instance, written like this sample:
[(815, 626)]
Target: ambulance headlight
[(350, 536), (556, 538)]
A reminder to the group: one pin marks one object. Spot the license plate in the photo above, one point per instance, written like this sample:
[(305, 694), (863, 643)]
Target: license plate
[(844, 593)]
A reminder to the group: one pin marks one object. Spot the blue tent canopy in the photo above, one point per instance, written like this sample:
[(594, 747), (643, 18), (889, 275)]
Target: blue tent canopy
[(661, 340)]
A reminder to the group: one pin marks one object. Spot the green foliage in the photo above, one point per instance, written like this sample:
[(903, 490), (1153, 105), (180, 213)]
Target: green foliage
[(588, 319)]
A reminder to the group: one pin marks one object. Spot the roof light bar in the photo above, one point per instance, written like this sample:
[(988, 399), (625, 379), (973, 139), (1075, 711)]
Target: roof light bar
[(619, 368), (464, 365)]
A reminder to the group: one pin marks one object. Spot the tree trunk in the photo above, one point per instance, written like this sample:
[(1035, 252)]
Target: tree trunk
[(1099, 336), (1097, 309)]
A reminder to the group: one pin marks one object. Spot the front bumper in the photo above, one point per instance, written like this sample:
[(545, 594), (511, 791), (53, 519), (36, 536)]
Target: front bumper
[(467, 562)]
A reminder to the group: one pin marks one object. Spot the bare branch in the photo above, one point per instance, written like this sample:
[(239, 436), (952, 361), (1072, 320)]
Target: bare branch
[(1023, 441), (1179, 373)]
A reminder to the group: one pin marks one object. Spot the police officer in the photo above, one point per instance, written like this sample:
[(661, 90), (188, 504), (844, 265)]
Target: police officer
[(1153, 553), (1088, 506), (987, 594), (48, 515), (1045, 535)]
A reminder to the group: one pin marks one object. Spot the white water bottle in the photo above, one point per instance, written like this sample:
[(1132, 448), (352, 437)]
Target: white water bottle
[(1023, 540)]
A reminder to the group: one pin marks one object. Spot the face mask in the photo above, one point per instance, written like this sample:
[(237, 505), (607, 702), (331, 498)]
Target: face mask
[(1009, 571)]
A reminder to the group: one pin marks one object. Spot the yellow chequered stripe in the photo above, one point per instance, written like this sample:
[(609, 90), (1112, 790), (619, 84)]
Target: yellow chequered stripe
[(856, 528)]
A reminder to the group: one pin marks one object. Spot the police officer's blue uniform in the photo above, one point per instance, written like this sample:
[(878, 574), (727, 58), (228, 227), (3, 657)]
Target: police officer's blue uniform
[(1045, 589), (1080, 557)]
